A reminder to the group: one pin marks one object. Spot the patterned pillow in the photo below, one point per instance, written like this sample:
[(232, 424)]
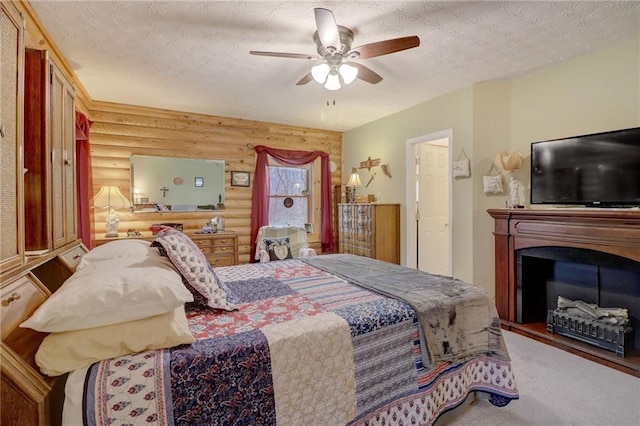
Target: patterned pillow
[(194, 267), (278, 248)]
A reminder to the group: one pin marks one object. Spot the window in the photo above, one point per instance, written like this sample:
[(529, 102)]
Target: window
[(290, 195)]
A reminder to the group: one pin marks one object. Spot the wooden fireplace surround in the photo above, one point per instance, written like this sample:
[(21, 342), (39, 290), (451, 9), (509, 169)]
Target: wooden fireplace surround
[(611, 231)]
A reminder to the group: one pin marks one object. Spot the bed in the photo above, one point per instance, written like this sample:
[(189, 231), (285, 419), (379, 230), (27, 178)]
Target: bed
[(333, 339)]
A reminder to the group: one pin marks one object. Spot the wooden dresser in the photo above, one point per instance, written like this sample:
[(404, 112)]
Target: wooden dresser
[(220, 248), (371, 230)]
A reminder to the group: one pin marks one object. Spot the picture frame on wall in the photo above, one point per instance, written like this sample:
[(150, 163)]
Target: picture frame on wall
[(240, 178)]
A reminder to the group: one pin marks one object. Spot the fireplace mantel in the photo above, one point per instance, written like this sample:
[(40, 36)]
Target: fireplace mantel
[(612, 231)]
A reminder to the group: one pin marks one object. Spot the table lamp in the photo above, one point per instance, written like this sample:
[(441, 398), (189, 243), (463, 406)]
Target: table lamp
[(354, 182), (110, 197)]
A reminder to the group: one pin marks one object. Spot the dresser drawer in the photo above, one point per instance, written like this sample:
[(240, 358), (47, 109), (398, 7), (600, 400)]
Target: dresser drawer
[(72, 258), (202, 242), (206, 250), (19, 299), (224, 241), (228, 259), (223, 249)]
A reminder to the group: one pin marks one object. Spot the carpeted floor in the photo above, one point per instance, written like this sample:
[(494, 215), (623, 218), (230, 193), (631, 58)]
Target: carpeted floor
[(559, 388)]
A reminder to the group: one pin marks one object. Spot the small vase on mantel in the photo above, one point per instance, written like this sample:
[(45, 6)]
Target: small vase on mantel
[(513, 200)]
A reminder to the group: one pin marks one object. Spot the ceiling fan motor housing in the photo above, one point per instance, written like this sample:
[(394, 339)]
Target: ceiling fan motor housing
[(346, 40)]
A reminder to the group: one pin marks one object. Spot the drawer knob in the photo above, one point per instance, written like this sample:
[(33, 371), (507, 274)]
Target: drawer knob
[(12, 298), (77, 256)]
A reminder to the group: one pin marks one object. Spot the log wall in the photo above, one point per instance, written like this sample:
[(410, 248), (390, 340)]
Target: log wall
[(120, 131)]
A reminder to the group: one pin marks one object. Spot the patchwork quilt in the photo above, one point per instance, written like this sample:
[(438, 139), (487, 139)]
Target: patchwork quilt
[(305, 347)]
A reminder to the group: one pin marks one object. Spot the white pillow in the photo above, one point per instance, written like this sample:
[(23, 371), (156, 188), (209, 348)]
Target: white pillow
[(118, 249), (63, 352), (111, 292)]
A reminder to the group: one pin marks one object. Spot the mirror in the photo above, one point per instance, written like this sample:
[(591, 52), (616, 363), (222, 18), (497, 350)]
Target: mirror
[(176, 184)]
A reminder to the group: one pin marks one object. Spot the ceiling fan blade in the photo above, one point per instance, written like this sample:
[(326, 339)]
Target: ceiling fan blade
[(284, 55), (304, 80), (366, 74), (327, 28), (387, 46)]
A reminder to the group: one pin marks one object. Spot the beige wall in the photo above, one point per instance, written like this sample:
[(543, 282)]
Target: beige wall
[(491, 128), (591, 93), (386, 139)]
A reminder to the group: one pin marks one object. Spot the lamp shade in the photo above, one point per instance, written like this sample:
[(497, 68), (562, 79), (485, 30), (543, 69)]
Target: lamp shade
[(333, 81), (348, 73), (111, 197), (320, 72), (354, 179)]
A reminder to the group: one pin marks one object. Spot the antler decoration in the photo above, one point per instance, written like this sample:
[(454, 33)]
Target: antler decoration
[(369, 163), (385, 169)]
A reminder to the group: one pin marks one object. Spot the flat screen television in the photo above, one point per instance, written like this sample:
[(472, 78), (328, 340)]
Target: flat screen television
[(597, 170)]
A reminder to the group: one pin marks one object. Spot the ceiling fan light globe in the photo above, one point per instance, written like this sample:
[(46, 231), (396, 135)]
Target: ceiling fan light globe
[(333, 82), (320, 72), (348, 73)]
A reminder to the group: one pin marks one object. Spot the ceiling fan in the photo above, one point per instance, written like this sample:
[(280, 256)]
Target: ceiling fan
[(333, 43)]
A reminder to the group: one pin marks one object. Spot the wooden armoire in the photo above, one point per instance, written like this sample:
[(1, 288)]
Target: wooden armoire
[(49, 139), (39, 248), (11, 137)]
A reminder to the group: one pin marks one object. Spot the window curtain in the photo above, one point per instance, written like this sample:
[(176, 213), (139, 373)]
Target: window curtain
[(260, 205), (85, 182)]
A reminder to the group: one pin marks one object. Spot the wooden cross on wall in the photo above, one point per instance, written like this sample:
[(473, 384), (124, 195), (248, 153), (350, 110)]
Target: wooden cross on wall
[(369, 163), (164, 190)]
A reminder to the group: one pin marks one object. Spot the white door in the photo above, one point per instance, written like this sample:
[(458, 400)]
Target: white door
[(433, 207)]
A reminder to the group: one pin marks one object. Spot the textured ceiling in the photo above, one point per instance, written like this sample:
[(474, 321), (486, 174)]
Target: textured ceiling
[(194, 55)]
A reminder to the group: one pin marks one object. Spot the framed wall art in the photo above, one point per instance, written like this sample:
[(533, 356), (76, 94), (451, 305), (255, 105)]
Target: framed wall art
[(240, 178)]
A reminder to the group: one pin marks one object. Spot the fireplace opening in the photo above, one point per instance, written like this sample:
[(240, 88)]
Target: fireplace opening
[(544, 273)]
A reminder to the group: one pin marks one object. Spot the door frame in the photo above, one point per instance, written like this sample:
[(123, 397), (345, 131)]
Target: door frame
[(410, 196)]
